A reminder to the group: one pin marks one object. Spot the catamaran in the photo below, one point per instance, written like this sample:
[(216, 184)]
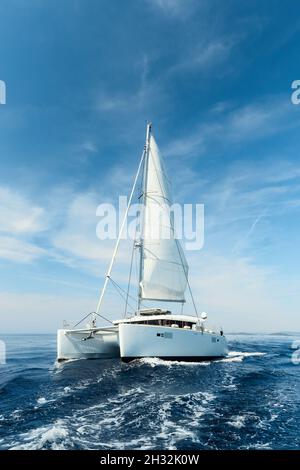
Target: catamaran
[(162, 278)]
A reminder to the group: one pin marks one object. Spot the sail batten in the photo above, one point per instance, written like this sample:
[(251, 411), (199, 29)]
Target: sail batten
[(164, 267)]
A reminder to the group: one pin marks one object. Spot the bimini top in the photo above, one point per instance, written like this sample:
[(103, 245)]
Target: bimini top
[(154, 311)]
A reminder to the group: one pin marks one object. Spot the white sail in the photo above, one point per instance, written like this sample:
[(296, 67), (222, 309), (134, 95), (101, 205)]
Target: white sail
[(164, 267)]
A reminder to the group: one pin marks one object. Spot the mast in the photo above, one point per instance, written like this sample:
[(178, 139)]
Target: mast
[(144, 194)]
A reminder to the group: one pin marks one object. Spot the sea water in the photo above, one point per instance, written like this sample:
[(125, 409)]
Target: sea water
[(249, 400)]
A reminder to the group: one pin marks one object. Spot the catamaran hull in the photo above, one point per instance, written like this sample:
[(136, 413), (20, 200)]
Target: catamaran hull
[(137, 341), (103, 344)]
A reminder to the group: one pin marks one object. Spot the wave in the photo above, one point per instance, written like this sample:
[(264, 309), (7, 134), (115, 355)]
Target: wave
[(155, 361), (44, 437), (238, 421), (99, 424), (152, 403), (233, 356), (239, 356)]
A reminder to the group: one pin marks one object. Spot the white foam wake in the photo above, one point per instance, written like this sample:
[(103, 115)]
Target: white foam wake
[(155, 361), (44, 437), (238, 356), (233, 356)]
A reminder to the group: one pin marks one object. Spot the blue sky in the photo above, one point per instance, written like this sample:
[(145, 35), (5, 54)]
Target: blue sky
[(215, 79)]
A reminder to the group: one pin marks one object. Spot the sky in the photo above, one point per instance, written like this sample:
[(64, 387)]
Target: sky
[(82, 79)]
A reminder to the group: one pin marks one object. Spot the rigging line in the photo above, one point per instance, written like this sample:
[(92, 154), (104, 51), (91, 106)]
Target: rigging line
[(163, 170), (118, 288), (130, 273), (92, 313), (155, 257), (155, 200), (120, 233), (136, 262), (160, 175), (130, 296), (104, 318), (139, 222), (177, 245), (187, 280), (80, 321), (132, 253)]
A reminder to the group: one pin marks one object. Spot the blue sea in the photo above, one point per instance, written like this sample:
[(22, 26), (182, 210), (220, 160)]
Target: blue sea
[(250, 400)]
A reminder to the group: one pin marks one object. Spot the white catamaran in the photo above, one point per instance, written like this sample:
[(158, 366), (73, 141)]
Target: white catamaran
[(163, 277)]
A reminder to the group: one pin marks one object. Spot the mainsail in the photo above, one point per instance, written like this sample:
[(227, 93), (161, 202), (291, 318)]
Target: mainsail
[(164, 268)]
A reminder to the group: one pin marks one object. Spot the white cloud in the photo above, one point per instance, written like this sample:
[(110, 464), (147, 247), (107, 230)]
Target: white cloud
[(215, 51), (20, 220), (236, 288), (89, 146), (145, 97), (33, 312), (18, 214), (260, 119), (66, 225), (151, 94), (77, 235), (204, 56), (241, 296), (231, 278), (76, 241), (251, 188), (242, 242), (250, 122), (19, 251), (177, 8)]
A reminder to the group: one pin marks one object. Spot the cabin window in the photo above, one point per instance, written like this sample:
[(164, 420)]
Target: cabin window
[(166, 322), (165, 335), (169, 335)]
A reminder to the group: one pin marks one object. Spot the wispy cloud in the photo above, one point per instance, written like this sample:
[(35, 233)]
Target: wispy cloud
[(178, 8), (68, 234), (20, 221), (245, 238), (240, 294), (203, 57), (246, 123), (89, 146), (45, 310), (144, 96), (77, 235), (18, 214), (19, 251), (215, 51), (249, 192), (227, 284)]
